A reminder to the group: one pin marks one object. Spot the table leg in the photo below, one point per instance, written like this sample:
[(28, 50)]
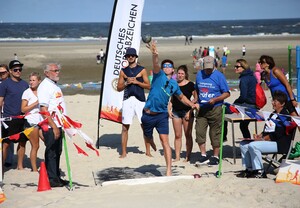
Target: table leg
[(233, 143)]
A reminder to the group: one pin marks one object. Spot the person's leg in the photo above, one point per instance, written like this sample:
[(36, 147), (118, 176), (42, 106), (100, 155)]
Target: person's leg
[(201, 129), (50, 155), (34, 141), (246, 158), (10, 155), (214, 118), (128, 113), (256, 149), (225, 132), (5, 147), (177, 125), (244, 129), (125, 128), (188, 126), (20, 154), (148, 123), (164, 138)]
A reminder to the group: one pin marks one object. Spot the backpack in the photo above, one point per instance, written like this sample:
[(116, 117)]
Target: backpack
[(260, 99)]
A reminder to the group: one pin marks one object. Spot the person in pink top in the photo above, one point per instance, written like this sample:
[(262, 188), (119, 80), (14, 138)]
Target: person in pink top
[(257, 72)]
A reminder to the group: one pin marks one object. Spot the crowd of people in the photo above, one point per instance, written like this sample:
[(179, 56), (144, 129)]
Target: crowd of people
[(170, 97), (24, 106), (185, 101)]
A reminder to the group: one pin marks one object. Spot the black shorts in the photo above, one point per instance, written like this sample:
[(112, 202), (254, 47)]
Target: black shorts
[(14, 126)]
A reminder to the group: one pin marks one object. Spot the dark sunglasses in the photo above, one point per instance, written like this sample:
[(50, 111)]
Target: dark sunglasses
[(17, 69), (237, 66), (128, 56), (167, 65)]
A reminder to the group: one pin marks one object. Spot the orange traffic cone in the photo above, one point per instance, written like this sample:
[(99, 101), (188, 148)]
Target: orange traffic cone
[(44, 184)]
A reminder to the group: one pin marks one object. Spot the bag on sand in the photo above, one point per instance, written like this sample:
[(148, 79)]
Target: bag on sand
[(261, 99)]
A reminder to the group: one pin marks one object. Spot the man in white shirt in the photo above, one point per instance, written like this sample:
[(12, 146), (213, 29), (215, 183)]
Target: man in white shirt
[(50, 96)]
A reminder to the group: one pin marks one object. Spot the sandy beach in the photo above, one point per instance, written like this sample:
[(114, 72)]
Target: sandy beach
[(79, 58), (79, 65)]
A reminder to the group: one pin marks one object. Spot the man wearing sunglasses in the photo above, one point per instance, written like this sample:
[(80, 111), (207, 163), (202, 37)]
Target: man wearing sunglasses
[(133, 80), (155, 114), (11, 91)]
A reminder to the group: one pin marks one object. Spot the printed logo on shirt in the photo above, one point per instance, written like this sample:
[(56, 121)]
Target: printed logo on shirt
[(58, 95)]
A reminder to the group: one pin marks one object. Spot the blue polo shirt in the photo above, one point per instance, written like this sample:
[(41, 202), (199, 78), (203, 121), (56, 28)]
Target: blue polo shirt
[(161, 90)]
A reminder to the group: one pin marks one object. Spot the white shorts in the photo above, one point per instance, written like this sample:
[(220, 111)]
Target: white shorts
[(132, 107)]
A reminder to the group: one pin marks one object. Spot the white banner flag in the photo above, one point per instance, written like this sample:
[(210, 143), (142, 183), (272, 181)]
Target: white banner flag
[(125, 32)]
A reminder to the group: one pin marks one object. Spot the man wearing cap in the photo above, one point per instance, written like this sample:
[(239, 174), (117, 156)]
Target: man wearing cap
[(11, 91), (4, 74), (133, 80), (212, 90)]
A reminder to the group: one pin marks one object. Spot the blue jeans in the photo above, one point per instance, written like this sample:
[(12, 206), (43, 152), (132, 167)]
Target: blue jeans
[(252, 153)]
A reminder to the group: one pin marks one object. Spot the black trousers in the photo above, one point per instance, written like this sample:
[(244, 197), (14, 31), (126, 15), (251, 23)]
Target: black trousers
[(52, 154)]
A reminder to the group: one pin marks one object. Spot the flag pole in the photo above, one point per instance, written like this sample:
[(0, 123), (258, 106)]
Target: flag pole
[(219, 173), (104, 70), (67, 161)]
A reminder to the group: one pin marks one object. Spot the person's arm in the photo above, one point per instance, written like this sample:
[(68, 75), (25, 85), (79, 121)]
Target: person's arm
[(121, 82), (145, 84), (187, 102), (261, 137), (278, 73), (51, 123), (170, 107), (26, 108), (222, 97), (195, 96), (1, 103), (153, 50), (244, 85)]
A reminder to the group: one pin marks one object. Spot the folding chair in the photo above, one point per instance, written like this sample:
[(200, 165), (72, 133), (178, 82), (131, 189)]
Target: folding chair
[(273, 160)]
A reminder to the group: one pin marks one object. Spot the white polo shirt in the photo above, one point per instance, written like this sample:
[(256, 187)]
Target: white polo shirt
[(50, 95)]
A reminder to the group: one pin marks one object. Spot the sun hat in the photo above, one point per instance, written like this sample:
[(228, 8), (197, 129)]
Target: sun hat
[(131, 51)]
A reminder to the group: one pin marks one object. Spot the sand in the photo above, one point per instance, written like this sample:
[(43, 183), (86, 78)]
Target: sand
[(20, 187), (79, 58)]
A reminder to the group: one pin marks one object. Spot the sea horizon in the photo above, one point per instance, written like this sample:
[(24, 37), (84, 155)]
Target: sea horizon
[(97, 31)]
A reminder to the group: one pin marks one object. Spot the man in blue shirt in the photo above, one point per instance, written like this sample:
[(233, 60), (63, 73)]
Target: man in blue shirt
[(155, 113), (11, 91), (212, 90)]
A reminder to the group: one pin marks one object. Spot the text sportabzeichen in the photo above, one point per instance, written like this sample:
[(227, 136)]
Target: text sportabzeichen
[(125, 39)]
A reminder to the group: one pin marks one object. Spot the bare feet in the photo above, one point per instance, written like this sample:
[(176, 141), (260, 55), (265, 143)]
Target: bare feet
[(169, 173), (176, 160), (186, 160), (149, 155), (122, 156), (20, 168)]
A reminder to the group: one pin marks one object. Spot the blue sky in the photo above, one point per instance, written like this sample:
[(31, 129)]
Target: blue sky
[(154, 10)]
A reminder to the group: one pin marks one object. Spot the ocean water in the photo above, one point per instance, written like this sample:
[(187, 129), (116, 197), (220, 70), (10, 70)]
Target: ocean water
[(159, 30)]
